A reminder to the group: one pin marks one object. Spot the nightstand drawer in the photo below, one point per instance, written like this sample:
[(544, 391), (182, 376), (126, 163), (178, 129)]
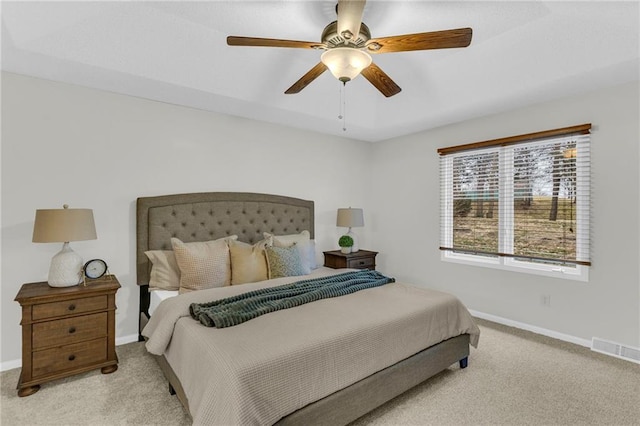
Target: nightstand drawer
[(68, 307), (362, 259), (69, 357), (361, 263), (70, 330)]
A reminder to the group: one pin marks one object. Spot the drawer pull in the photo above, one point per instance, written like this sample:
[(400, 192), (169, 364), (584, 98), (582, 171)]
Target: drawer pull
[(362, 262), (72, 330), (72, 357), (72, 307)]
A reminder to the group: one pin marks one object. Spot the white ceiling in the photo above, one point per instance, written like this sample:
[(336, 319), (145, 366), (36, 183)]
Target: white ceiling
[(175, 51)]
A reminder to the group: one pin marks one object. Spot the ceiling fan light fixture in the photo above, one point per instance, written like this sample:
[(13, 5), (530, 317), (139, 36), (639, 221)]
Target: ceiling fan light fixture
[(345, 63)]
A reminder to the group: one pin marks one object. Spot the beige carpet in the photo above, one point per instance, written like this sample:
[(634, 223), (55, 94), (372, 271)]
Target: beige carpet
[(514, 378)]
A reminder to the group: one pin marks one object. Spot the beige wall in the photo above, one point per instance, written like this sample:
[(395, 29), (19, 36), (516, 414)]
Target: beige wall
[(608, 306), (88, 148)]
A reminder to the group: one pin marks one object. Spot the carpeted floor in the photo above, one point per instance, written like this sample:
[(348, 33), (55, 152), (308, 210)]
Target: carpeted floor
[(514, 378)]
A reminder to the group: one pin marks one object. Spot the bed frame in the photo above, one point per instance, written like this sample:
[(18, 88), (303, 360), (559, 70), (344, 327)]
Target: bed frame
[(212, 215)]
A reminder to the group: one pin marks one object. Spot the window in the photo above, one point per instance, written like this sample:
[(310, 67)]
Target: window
[(520, 203)]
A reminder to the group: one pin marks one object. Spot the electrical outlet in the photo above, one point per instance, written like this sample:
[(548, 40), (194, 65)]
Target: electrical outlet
[(545, 300)]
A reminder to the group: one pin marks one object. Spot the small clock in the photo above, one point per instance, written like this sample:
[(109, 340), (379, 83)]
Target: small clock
[(95, 268)]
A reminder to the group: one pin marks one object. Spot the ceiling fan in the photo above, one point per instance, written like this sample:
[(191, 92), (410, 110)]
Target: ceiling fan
[(348, 47)]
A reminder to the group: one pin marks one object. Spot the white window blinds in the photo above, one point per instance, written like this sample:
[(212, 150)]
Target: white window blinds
[(524, 198)]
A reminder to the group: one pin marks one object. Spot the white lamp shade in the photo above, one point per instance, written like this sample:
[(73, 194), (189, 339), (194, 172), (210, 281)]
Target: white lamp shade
[(350, 218), (345, 63)]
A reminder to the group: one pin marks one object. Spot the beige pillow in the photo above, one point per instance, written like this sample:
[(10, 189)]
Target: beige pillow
[(203, 264), (248, 262), (165, 273), (288, 240)]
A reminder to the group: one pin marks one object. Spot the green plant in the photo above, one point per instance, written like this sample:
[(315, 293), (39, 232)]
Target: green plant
[(345, 241)]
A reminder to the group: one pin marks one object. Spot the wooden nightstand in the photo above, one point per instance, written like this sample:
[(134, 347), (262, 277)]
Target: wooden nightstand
[(362, 259), (66, 331)]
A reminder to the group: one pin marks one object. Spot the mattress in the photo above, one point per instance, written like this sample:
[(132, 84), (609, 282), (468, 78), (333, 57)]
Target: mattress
[(158, 296)]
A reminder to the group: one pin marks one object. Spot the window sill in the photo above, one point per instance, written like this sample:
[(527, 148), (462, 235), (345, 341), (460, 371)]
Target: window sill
[(579, 273)]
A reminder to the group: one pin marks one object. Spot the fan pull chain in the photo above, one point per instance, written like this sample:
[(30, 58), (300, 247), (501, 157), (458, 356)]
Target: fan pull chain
[(340, 104), (343, 106)]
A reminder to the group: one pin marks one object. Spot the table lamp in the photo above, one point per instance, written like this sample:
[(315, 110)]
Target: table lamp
[(62, 226), (350, 218)]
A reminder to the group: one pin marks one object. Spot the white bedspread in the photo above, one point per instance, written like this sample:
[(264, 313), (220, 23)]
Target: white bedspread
[(258, 372)]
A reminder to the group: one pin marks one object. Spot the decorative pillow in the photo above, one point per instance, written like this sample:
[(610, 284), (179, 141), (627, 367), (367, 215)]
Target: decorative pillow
[(284, 262), (165, 273), (203, 264), (306, 246), (248, 262)]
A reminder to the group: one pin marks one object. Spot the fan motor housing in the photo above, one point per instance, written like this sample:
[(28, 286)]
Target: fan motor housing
[(331, 38)]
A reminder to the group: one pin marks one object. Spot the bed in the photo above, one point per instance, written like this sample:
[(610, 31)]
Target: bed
[(319, 363)]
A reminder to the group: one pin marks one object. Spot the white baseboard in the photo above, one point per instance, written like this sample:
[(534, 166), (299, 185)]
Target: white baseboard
[(126, 339), (10, 365), (532, 328), (17, 363)]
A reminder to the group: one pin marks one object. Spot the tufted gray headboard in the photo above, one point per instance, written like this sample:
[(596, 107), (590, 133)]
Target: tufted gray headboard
[(207, 216), (211, 215)]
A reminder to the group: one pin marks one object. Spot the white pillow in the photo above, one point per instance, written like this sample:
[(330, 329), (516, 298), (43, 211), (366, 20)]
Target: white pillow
[(203, 264), (308, 253)]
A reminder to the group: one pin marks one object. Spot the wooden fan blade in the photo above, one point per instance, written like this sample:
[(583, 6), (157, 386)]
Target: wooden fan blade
[(349, 18), (307, 78), (271, 42), (381, 80), (460, 37)]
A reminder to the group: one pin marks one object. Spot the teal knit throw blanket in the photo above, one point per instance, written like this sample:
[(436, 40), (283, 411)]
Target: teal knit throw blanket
[(243, 307)]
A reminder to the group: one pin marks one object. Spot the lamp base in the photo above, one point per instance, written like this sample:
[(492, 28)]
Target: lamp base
[(355, 247), (66, 268)]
